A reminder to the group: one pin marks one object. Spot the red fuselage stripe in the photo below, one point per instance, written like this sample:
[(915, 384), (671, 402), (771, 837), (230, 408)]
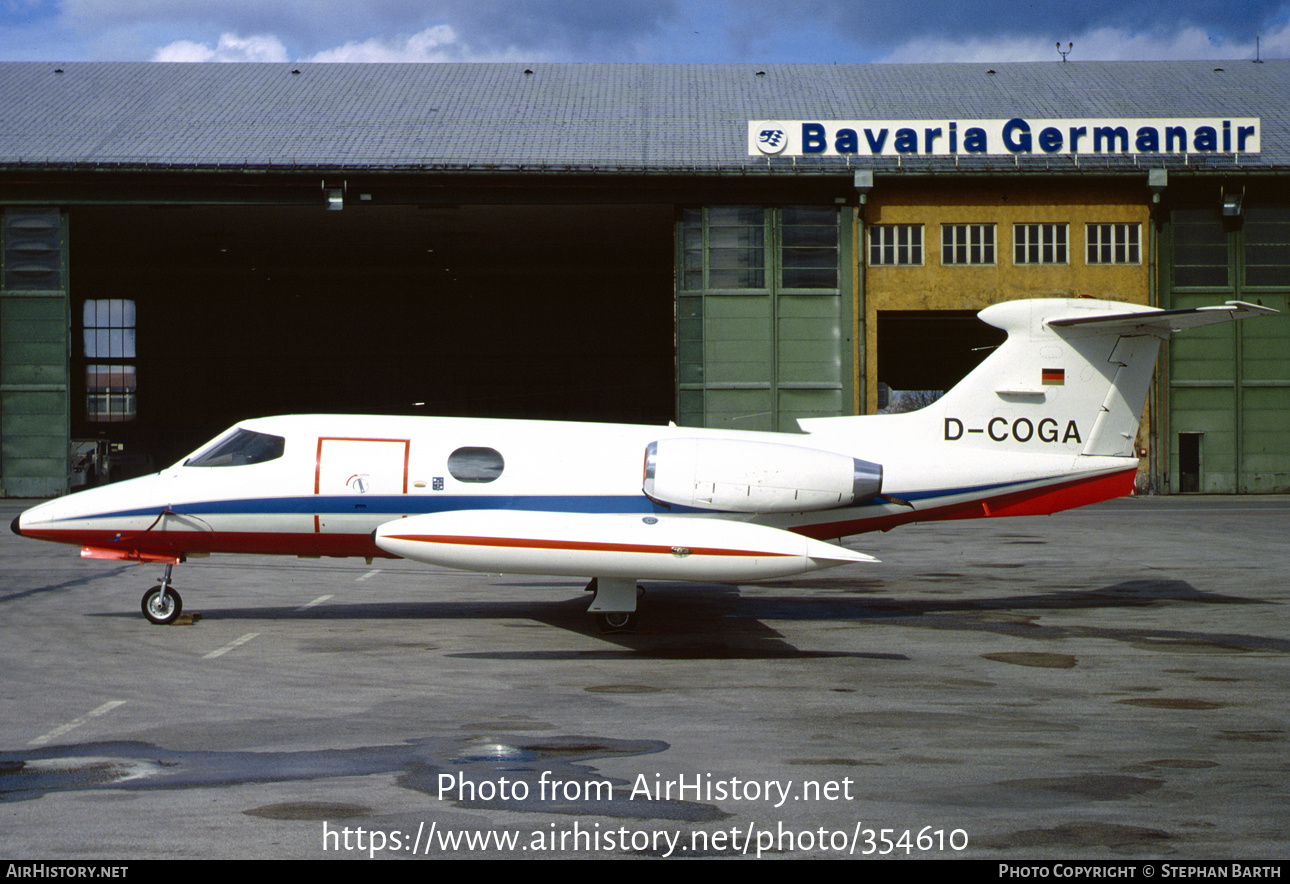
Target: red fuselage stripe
[(273, 543), (572, 545), (1033, 502)]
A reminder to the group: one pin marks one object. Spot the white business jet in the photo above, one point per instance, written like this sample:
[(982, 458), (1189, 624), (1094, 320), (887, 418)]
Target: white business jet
[(1045, 423)]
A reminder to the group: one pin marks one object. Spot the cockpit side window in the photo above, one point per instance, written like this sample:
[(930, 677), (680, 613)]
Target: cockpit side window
[(243, 447)]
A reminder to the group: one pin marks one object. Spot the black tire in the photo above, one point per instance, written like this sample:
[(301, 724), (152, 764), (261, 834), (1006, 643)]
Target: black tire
[(617, 621), (161, 610)]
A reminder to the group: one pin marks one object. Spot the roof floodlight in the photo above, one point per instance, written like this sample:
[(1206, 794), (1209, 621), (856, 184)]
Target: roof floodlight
[(1232, 202)]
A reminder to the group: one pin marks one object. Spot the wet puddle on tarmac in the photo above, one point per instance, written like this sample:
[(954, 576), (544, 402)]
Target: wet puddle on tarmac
[(497, 772)]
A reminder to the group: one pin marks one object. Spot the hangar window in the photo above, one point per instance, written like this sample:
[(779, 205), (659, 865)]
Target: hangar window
[(1200, 248), (1114, 243), (33, 249), (110, 393), (107, 328), (735, 247), (1040, 243), (475, 464), (895, 245), (967, 243), (810, 247), (1267, 245)]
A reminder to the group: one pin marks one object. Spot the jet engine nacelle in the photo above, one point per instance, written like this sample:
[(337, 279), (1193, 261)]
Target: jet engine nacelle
[(741, 476)]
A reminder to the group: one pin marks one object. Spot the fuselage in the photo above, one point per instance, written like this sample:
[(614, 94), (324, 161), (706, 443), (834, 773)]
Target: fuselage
[(332, 480)]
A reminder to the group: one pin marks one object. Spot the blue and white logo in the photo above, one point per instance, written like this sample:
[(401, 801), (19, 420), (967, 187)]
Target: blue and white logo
[(772, 138)]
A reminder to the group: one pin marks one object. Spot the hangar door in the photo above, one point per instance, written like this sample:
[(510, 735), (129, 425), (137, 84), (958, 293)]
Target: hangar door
[(923, 353), (764, 316), (33, 353), (1229, 384)]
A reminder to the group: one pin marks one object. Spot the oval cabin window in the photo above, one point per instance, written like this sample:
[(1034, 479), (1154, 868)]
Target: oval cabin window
[(475, 464)]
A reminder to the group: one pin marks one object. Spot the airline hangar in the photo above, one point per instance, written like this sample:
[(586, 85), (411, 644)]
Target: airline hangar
[(185, 246)]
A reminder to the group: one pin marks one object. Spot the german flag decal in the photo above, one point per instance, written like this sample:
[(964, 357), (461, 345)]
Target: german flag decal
[(1053, 377)]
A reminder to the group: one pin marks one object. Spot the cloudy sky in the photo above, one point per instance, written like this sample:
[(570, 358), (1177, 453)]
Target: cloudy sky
[(653, 31)]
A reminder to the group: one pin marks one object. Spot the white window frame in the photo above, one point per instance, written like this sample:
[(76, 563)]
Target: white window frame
[(1035, 245), (976, 243), (111, 393), (108, 345), (896, 245), (1109, 244)]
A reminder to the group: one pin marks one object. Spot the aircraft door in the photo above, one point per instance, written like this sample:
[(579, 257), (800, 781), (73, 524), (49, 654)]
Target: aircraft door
[(358, 484)]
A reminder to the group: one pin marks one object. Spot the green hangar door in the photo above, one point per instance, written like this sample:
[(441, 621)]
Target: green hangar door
[(1229, 385), (33, 354), (764, 316)]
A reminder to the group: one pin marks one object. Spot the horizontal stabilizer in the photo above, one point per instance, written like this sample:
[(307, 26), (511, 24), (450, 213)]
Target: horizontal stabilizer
[(1166, 321)]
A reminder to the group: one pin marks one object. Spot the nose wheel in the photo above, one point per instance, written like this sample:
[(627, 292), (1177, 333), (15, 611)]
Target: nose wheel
[(161, 604)]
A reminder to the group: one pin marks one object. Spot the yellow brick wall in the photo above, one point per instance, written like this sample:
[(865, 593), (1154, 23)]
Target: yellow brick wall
[(1028, 201)]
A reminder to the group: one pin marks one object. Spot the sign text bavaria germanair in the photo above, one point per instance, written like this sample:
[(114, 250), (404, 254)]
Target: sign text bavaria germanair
[(1014, 137)]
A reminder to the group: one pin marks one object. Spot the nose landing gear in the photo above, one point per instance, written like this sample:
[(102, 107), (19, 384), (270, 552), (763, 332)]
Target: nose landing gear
[(161, 604)]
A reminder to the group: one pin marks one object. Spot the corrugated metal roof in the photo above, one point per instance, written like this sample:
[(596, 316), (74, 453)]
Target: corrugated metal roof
[(664, 118)]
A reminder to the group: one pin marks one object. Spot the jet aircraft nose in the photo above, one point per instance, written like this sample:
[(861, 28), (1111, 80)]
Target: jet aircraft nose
[(15, 526)]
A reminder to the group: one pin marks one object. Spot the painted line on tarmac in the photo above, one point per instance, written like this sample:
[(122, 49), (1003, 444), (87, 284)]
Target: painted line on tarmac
[(76, 722), (317, 601), (237, 642), (367, 575)]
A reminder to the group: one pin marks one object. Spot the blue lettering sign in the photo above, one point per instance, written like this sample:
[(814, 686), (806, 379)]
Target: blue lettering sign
[(1021, 143), (1110, 135), (813, 140), (1050, 140), (1148, 140)]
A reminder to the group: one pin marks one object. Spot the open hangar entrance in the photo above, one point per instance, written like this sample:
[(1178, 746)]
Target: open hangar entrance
[(529, 311), (923, 353)]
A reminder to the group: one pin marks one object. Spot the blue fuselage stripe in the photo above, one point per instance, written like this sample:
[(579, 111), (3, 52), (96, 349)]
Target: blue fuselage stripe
[(418, 504)]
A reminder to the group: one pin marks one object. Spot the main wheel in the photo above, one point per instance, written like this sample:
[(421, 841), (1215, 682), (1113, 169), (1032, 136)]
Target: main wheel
[(616, 621), (161, 608)]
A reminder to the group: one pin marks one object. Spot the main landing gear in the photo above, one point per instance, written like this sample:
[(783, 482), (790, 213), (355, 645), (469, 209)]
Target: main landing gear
[(162, 604), (614, 604)]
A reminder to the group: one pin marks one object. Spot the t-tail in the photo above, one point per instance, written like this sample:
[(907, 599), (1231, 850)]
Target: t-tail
[(1071, 372), (1047, 421)]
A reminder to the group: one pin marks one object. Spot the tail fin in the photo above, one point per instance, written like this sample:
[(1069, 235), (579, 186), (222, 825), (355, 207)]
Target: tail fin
[(1072, 377), (1078, 386)]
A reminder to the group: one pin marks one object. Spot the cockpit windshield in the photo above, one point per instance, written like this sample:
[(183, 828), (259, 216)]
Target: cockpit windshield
[(241, 448)]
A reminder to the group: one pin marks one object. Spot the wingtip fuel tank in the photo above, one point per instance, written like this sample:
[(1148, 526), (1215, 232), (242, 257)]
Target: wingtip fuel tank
[(658, 547)]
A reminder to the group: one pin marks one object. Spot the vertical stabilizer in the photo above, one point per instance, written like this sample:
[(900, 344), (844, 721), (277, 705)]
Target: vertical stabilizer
[(1071, 378), (1054, 389)]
